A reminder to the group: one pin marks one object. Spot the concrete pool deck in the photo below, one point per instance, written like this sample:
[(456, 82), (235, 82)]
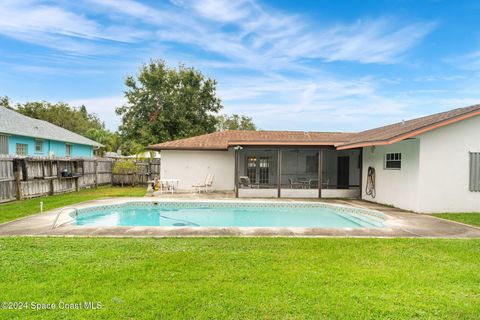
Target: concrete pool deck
[(400, 223)]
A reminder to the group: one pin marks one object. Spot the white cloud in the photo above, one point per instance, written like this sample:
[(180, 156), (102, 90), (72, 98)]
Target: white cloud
[(374, 41), (258, 54), (469, 61), (56, 27), (266, 36), (243, 31)]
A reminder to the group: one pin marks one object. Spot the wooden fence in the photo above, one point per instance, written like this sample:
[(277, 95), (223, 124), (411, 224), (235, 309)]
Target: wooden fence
[(146, 170), (22, 178)]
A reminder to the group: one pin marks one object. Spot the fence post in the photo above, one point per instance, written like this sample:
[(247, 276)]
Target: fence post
[(52, 186), (96, 173), (17, 167), (112, 164)]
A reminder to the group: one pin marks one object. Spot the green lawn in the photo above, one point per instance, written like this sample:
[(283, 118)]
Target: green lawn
[(243, 278), (472, 218), (17, 209)]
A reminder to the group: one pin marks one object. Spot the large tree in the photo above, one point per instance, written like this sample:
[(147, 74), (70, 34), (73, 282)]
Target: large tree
[(235, 122), (166, 103), (75, 119)]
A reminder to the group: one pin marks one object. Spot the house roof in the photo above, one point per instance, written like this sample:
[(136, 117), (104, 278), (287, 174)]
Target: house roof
[(224, 139), (12, 122), (408, 129), (342, 140)]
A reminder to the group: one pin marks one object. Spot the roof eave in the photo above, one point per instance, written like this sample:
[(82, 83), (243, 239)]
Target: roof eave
[(159, 148), (281, 143), (410, 134)]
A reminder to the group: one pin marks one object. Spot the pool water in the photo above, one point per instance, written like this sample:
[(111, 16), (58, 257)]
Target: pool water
[(227, 215)]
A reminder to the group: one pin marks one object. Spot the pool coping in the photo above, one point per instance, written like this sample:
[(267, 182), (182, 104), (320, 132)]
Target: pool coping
[(400, 224), (366, 216)]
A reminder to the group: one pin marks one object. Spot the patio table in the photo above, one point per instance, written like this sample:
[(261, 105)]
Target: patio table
[(306, 184), (173, 183)]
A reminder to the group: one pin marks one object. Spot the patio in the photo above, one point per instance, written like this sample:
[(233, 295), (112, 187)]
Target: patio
[(287, 172), (400, 223)]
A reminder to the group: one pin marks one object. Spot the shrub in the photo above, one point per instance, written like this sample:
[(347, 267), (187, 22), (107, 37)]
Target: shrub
[(124, 167)]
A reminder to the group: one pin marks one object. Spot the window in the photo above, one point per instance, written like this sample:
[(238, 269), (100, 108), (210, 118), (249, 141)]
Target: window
[(68, 151), (38, 146), (474, 171), (22, 149), (3, 144), (393, 161), (252, 169), (264, 164)]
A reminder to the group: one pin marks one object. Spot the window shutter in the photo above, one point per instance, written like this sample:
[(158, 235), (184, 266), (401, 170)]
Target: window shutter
[(474, 171)]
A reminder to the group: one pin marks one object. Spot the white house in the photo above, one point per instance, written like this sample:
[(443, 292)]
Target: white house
[(429, 164)]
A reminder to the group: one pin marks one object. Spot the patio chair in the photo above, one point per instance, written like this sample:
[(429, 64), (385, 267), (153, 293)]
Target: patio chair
[(209, 183), (312, 184), (198, 187), (325, 185), (295, 185), (246, 183), (166, 186)]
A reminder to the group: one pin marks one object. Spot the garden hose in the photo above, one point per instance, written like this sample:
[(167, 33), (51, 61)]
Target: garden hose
[(370, 186)]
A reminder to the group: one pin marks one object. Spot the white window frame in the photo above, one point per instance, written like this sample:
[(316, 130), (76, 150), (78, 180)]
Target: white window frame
[(37, 141), (4, 138), (25, 149), (392, 157), (68, 147)]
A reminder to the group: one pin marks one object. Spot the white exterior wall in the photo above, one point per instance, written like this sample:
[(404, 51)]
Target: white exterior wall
[(398, 188), (191, 167), (445, 168), (435, 170)]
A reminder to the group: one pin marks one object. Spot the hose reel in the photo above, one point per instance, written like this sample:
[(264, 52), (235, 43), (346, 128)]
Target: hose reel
[(370, 186)]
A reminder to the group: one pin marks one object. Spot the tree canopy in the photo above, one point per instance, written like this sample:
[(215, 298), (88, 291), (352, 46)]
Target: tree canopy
[(163, 104), (166, 103), (235, 122), (75, 119)]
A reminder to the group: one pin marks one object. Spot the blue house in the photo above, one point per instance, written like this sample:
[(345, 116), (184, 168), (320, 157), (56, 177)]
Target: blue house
[(24, 136)]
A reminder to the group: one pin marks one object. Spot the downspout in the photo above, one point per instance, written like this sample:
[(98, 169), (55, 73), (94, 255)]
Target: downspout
[(279, 172), (237, 160), (361, 172), (320, 171)]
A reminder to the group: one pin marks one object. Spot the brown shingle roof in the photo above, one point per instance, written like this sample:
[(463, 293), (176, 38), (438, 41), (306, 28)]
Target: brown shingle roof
[(342, 140), (224, 139), (407, 129)]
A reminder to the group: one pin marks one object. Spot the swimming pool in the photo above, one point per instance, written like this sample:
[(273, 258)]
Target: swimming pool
[(228, 214)]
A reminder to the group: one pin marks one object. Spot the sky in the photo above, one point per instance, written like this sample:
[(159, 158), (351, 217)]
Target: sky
[(290, 65)]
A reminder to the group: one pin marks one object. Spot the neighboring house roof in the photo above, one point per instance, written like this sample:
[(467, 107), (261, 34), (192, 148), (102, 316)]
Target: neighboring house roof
[(408, 129), (383, 135), (12, 122), (223, 139), (113, 155)]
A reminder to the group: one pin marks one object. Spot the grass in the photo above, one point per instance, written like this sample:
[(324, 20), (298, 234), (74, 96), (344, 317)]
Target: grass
[(472, 218), (243, 278), (17, 209)]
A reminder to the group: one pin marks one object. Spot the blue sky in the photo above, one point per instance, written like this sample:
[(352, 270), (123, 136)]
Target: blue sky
[(291, 65)]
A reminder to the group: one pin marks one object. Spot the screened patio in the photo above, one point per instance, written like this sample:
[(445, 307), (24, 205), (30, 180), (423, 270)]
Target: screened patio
[(297, 172)]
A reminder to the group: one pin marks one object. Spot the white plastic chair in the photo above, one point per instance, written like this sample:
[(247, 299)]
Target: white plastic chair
[(203, 184), (209, 182)]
